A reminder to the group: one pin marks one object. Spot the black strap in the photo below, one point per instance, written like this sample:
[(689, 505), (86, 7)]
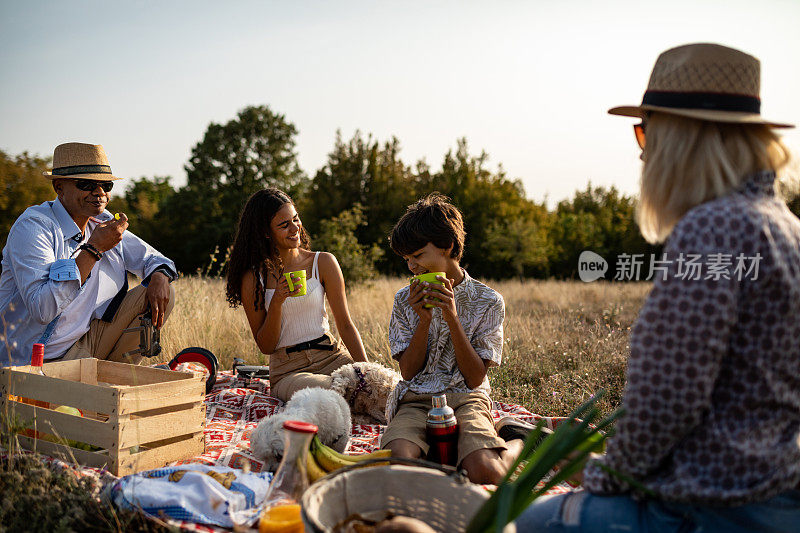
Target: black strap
[(81, 169), (315, 344), (94, 252), (713, 101)]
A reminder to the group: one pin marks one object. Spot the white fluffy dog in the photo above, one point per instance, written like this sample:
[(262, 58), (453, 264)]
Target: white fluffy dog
[(324, 408), (366, 387)]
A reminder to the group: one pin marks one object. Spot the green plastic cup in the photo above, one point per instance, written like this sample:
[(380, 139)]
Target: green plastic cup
[(301, 284), (430, 277)]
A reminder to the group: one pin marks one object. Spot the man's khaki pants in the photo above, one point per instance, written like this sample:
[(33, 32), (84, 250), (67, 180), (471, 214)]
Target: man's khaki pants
[(106, 340)]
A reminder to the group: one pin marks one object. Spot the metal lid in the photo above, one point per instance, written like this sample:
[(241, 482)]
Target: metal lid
[(440, 412)]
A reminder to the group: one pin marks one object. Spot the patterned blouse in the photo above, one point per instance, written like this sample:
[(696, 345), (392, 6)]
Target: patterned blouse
[(481, 311), (713, 394)]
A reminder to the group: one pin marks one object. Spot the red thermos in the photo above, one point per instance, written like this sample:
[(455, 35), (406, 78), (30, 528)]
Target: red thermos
[(442, 432)]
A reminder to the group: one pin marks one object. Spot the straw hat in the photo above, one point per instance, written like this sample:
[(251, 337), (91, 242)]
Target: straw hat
[(706, 82), (81, 161)]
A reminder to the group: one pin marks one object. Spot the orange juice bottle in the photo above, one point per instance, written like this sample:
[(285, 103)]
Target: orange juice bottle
[(281, 505), (281, 518)]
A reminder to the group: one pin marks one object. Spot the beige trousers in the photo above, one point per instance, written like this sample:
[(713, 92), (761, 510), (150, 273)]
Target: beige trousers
[(289, 373), (106, 340)]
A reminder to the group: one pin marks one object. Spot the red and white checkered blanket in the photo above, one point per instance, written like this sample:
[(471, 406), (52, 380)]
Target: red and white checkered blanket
[(233, 411)]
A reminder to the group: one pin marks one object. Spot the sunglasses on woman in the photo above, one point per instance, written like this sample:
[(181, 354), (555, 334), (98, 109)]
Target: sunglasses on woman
[(90, 185)]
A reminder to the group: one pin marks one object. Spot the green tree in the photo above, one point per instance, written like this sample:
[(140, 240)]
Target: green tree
[(21, 186), (362, 171), (519, 246), (141, 203), (488, 201), (597, 219), (233, 160), (337, 235)]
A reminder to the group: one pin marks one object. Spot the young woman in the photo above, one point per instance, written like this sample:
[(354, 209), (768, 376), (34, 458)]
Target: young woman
[(293, 330), (709, 439)]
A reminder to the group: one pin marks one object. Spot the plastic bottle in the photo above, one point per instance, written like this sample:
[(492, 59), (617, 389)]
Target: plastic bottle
[(281, 512), (442, 432)]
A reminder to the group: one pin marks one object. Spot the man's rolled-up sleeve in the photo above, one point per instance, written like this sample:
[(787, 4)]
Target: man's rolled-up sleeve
[(47, 286)]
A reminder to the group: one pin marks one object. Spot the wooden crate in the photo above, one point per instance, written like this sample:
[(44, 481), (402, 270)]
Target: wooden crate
[(140, 417)]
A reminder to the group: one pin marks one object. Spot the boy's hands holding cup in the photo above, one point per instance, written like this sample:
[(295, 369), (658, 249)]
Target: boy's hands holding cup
[(416, 299), (430, 290), (441, 296)]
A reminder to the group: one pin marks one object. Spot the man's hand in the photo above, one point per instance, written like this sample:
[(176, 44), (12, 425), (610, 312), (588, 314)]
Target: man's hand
[(442, 296), (158, 297), (107, 235), (416, 299)]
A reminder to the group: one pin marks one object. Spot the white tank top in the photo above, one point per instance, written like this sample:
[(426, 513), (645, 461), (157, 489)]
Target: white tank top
[(303, 318)]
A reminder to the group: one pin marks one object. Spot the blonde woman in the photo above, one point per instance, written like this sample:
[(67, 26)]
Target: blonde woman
[(709, 439)]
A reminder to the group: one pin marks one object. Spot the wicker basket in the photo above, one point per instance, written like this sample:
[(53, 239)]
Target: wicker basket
[(445, 501)]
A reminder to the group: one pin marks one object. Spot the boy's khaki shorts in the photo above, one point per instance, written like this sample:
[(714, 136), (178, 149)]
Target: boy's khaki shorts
[(473, 412)]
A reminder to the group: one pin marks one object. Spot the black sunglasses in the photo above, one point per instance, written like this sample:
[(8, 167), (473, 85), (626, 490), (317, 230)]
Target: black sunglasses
[(90, 185)]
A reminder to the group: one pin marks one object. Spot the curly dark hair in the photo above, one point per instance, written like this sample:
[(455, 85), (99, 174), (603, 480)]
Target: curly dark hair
[(430, 219), (253, 250)]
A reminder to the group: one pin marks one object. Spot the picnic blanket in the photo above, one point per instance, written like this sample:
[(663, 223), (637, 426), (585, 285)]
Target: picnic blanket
[(233, 410)]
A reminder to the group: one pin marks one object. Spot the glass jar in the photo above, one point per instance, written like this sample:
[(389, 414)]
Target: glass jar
[(281, 508)]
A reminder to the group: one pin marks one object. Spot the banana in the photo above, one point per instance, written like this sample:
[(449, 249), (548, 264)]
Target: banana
[(377, 454), (330, 460), (313, 469)]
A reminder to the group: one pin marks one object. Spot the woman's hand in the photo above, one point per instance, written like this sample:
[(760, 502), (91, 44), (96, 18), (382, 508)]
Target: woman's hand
[(441, 296), (282, 288), (416, 299)]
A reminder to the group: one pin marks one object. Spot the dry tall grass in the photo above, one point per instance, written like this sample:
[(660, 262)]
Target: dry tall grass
[(563, 340)]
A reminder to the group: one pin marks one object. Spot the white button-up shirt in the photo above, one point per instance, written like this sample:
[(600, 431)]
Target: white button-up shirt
[(41, 296)]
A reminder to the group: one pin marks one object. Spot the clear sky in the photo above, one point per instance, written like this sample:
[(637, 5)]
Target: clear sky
[(529, 81)]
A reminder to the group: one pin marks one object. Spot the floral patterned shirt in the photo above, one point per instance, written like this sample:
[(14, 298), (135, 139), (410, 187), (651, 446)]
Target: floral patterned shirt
[(713, 394), (481, 311)]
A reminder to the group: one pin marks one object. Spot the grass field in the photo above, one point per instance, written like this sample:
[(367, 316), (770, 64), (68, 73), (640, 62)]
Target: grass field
[(563, 340)]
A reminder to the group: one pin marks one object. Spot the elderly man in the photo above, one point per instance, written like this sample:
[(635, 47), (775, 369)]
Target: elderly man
[(64, 279)]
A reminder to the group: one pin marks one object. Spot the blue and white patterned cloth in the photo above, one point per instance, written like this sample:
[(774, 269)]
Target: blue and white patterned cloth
[(41, 296), (199, 493), (481, 311)]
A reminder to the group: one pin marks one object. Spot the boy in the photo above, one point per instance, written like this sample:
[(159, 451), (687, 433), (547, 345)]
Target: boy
[(445, 348)]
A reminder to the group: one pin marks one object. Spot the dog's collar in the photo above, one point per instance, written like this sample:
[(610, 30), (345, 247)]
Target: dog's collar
[(361, 386)]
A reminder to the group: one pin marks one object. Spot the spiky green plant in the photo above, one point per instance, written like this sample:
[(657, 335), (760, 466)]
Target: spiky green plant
[(567, 447)]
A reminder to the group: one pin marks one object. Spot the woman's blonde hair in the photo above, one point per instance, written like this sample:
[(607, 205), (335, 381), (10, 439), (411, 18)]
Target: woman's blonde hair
[(688, 162)]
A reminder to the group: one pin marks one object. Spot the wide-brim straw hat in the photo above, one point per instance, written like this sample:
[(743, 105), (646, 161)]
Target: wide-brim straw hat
[(81, 161), (707, 82)]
